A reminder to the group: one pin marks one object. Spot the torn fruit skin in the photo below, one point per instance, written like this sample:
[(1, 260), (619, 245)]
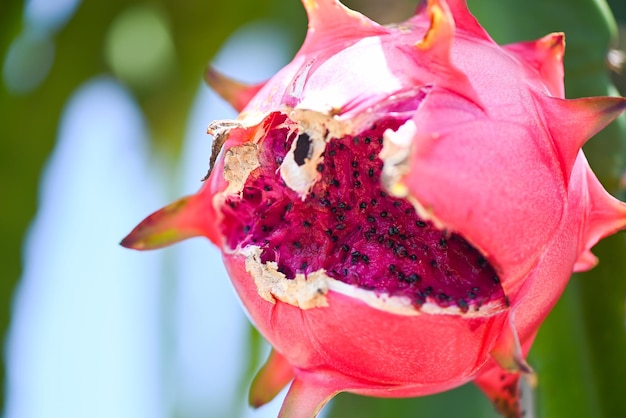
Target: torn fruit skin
[(400, 207)]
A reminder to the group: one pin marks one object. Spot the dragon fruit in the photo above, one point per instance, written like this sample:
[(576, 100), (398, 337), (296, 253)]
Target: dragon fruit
[(400, 207)]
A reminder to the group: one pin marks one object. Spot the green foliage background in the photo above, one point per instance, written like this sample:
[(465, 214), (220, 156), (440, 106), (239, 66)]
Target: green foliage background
[(580, 354)]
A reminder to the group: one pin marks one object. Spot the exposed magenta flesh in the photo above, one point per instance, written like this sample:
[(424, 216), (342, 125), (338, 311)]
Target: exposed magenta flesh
[(350, 227)]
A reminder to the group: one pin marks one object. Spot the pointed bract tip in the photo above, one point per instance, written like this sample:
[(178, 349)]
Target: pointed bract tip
[(185, 218), (585, 261), (465, 21), (503, 390), (237, 94), (555, 42), (608, 108), (545, 56), (320, 10), (605, 216), (572, 122), (441, 26), (329, 20), (275, 374), (435, 48)]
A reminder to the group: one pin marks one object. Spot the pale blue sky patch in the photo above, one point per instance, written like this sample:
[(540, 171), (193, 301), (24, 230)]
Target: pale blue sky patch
[(82, 342)]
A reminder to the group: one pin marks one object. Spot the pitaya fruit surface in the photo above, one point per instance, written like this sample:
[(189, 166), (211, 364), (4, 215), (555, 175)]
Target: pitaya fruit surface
[(400, 207)]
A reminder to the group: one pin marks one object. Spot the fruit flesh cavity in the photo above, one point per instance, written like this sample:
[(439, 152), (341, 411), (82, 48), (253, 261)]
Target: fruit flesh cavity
[(348, 226)]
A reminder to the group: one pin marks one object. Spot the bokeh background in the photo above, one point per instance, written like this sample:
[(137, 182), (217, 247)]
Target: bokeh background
[(103, 115)]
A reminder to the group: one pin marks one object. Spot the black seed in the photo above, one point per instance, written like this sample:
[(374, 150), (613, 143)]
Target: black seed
[(329, 232), (392, 268), (303, 265), (421, 224), (354, 163), (433, 262), (320, 168), (462, 303), (303, 148), (246, 229), (372, 157), (370, 218), (355, 254), (413, 257), (383, 194), (324, 202), (357, 184), (408, 211), (400, 251), (374, 202), (334, 238), (506, 301), (342, 205), (340, 227), (232, 204), (428, 291), (264, 228), (401, 276), (383, 214), (288, 206), (332, 153), (341, 218), (413, 278), (372, 230), (355, 140), (370, 172), (335, 182), (443, 297), (420, 298), (397, 204), (367, 140), (471, 295), (342, 146), (363, 205), (496, 279), (381, 238), (355, 174), (365, 258), (390, 243), (297, 244), (306, 224), (443, 244), (267, 188), (345, 272), (482, 261), (345, 248), (393, 230), (380, 141)]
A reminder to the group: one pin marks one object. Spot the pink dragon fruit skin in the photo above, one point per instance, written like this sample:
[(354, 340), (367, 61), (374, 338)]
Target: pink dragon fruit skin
[(447, 168)]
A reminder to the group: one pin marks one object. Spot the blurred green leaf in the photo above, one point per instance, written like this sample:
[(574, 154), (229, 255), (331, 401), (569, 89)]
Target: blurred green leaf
[(466, 402)]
